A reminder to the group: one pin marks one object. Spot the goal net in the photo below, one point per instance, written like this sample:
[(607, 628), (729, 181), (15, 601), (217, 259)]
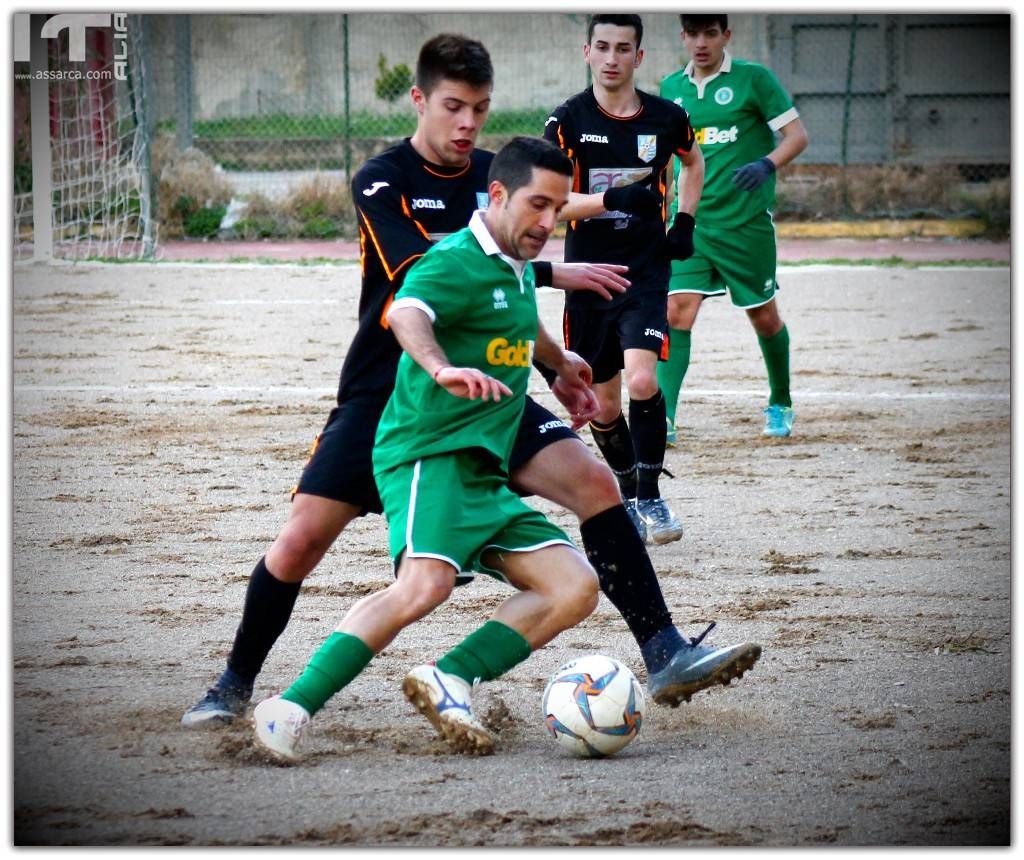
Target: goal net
[(100, 200)]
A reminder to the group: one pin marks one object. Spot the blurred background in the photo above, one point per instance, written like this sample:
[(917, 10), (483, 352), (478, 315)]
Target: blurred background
[(250, 125)]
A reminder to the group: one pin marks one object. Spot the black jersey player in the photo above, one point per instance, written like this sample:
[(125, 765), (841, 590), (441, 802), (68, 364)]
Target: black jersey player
[(622, 141), (426, 186)]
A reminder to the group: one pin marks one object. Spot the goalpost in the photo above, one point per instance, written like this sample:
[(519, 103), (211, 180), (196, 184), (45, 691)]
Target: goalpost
[(91, 194)]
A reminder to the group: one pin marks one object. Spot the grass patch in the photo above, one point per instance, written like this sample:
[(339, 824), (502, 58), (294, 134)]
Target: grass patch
[(282, 126)]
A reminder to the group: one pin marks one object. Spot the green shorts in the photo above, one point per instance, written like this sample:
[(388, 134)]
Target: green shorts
[(455, 507), (740, 259)]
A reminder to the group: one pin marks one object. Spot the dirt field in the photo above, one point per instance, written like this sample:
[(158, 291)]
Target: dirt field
[(162, 413)]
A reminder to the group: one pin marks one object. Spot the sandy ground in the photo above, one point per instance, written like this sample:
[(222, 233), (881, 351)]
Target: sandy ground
[(160, 415)]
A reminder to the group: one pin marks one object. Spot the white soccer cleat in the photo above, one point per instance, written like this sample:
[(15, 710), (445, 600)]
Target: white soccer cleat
[(444, 700), (279, 725)]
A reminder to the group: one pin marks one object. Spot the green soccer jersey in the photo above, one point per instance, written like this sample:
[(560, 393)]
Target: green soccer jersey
[(483, 305), (735, 114)]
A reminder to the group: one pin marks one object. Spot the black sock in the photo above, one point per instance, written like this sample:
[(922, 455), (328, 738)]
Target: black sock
[(625, 572), (647, 424), (268, 606), (616, 444)]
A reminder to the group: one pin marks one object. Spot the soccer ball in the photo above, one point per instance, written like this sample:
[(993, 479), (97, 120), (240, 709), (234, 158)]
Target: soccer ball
[(593, 706)]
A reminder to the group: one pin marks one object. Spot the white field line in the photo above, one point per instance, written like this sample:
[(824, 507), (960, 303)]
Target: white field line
[(277, 392)]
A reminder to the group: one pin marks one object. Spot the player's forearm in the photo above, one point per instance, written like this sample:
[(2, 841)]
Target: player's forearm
[(582, 206), (414, 331), (692, 185), (547, 350), (794, 141)]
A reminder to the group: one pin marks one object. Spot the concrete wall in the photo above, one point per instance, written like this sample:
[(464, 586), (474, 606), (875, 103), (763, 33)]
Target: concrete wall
[(248, 64)]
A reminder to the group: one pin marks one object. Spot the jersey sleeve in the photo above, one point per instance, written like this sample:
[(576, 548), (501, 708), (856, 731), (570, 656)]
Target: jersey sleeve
[(775, 103), (557, 130), (435, 285), (683, 136), (384, 216)]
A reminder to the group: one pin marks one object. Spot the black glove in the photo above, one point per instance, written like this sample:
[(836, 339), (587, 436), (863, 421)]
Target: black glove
[(679, 239), (635, 199), (751, 176)]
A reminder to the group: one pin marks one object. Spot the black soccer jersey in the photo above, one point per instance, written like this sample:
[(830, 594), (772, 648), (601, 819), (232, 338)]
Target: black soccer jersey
[(609, 151), (403, 205)]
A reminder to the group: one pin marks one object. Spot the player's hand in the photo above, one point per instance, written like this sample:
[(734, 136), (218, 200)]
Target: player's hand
[(572, 388), (579, 401), (679, 239), (601, 278), (635, 199), (471, 383), (752, 176)]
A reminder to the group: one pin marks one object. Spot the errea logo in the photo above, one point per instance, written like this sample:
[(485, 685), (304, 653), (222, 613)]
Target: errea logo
[(501, 353), (427, 203), (499, 299), (593, 138), (712, 134)]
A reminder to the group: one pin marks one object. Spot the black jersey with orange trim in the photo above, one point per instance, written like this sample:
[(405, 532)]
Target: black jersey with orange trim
[(403, 205), (608, 151)]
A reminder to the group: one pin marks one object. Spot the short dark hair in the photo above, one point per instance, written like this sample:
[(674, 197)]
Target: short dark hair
[(696, 23), (617, 21), (454, 58), (514, 162)]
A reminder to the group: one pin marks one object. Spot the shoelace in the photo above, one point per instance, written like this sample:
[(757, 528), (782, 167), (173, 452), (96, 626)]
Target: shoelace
[(694, 642)]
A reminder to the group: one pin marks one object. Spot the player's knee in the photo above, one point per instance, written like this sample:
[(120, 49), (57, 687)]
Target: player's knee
[(766, 320), (297, 550), (586, 486), (600, 489), (607, 411), (582, 592), (423, 589), (642, 384)]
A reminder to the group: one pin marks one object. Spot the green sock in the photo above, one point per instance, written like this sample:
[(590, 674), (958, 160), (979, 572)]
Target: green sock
[(486, 653), (775, 350), (332, 667), (671, 373)]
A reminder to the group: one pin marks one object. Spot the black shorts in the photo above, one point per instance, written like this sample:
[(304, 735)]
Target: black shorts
[(538, 429), (600, 335), (340, 465)]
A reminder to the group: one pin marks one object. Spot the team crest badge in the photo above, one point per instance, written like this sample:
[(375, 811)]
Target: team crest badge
[(646, 146), (724, 95), (482, 200), (499, 299)]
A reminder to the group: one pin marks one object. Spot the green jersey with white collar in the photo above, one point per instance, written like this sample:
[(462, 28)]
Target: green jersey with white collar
[(483, 306), (735, 114)]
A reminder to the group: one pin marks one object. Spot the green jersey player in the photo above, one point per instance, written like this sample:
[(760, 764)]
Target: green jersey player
[(466, 318), (736, 109)]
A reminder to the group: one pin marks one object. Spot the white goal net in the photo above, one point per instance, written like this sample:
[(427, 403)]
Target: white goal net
[(97, 139)]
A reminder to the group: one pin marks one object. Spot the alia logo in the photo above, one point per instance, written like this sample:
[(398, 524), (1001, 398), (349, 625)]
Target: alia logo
[(76, 24), (501, 353)]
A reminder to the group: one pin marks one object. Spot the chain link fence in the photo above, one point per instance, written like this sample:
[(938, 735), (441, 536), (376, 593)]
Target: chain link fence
[(260, 119)]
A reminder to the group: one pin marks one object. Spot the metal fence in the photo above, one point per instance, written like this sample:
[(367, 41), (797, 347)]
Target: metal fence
[(907, 114)]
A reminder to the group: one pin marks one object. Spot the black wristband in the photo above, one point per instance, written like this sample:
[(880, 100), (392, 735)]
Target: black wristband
[(549, 375), (544, 273)]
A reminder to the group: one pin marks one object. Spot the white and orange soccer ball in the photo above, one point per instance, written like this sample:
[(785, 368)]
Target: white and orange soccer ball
[(593, 706)]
